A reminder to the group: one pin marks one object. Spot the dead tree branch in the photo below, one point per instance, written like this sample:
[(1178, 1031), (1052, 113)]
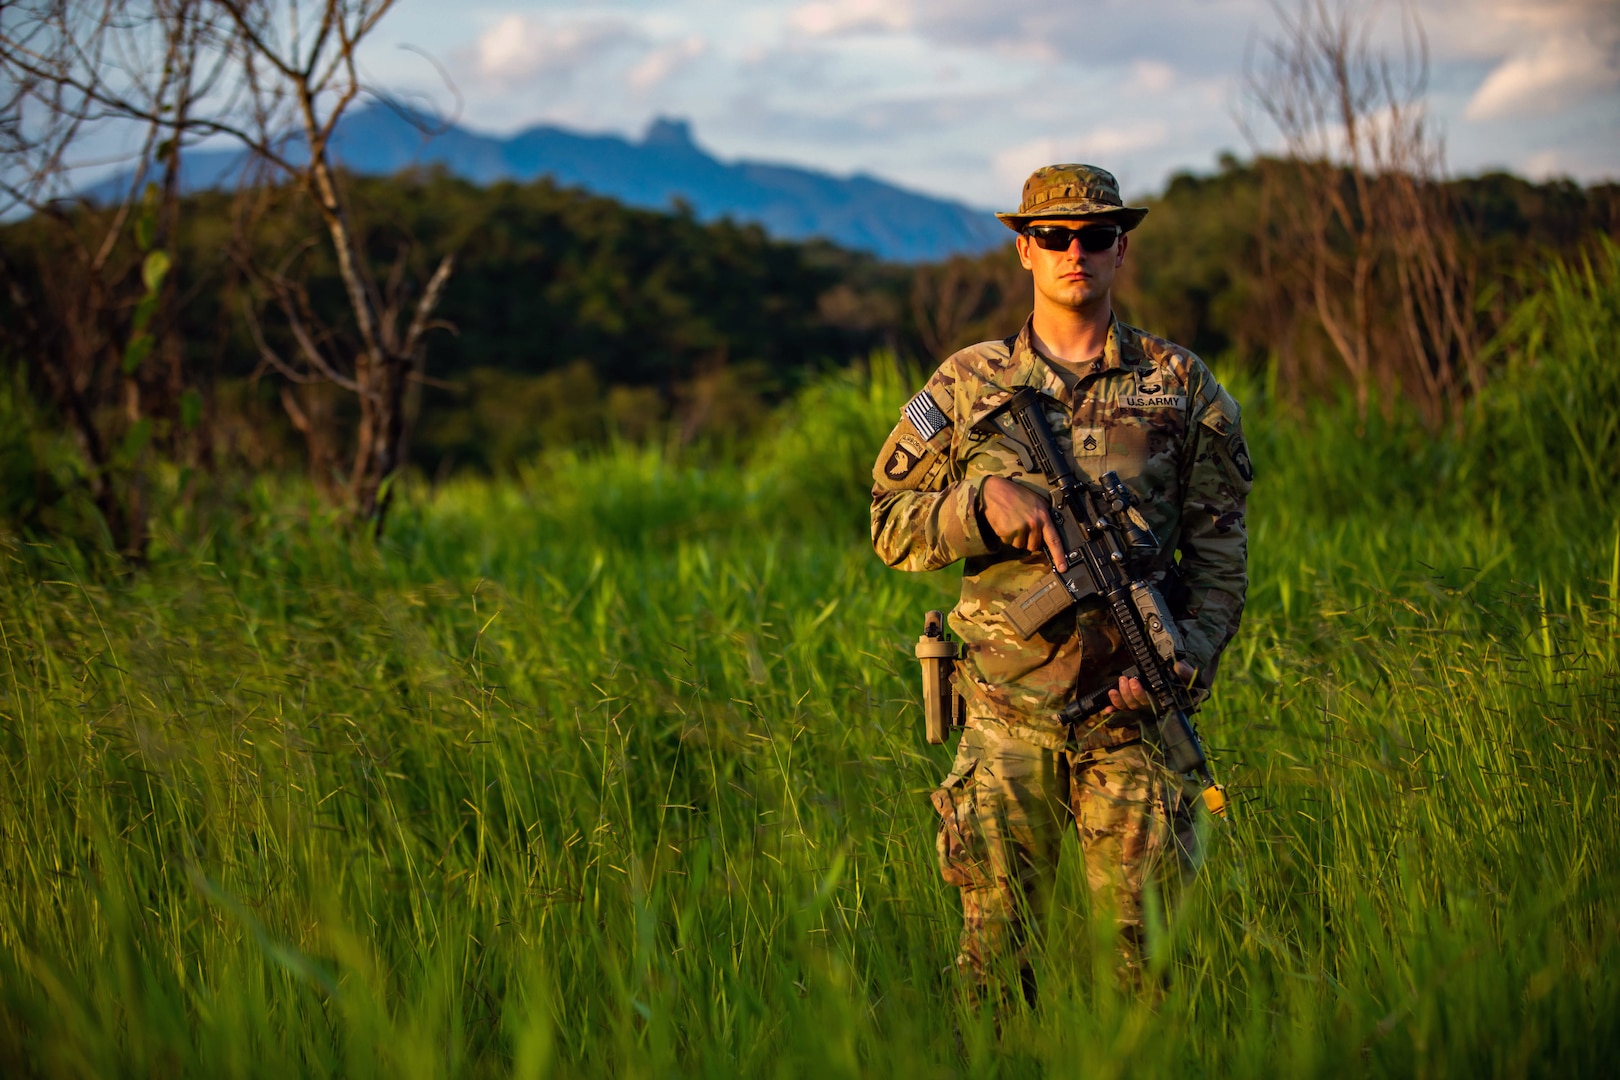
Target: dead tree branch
[(1360, 233)]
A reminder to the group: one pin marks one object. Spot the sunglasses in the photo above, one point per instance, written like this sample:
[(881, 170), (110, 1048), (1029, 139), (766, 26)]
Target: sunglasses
[(1093, 238)]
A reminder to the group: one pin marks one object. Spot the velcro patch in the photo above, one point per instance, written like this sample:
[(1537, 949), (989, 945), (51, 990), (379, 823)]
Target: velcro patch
[(903, 460), (1240, 458), (1090, 442), (1155, 401), (926, 415)]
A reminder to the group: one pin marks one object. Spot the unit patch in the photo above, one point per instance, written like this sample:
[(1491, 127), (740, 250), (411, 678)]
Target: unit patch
[(903, 460), (1155, 401), (1240, 458), (1090, 442)]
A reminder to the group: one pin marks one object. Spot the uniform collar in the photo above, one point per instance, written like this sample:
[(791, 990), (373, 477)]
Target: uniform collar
[(1122, 351)]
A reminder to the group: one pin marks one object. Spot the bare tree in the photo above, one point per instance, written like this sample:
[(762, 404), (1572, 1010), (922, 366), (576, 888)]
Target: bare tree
[(1359, 230), (282, 76), (92, 304), (304, 71), (966, 298), (944, 299)]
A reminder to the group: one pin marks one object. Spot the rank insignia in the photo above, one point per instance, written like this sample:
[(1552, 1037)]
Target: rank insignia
[(1089, 442)]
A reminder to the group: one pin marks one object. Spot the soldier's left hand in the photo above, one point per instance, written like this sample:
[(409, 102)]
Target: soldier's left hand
[(1132, 695)]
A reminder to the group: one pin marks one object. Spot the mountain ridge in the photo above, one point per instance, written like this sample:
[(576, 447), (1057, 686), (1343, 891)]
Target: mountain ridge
[(666, 169)]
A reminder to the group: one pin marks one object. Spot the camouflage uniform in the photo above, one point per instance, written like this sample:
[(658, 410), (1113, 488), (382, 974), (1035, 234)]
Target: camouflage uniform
[(1152, 412)]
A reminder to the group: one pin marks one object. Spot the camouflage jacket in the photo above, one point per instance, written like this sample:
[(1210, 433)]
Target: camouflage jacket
[(1146, 409)]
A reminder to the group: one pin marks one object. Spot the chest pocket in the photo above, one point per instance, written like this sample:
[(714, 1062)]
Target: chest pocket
[(1144, 433)]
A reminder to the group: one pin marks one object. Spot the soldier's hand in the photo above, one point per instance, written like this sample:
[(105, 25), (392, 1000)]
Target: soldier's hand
[(1132, 695), (1021, 518)]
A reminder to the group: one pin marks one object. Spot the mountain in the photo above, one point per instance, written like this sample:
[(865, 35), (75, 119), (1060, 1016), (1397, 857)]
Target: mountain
[(666, 169)]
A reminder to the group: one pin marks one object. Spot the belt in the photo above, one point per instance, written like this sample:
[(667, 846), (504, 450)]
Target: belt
[(1106, 733)]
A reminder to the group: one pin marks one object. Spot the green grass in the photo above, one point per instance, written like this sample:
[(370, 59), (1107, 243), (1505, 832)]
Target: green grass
[(614, 768)]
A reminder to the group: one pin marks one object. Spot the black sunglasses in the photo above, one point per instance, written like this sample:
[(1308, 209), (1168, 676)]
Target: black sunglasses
[(1093, 238)]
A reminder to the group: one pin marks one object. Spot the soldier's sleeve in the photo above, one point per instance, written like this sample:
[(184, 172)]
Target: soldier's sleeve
[(1214, 535), (924, 515)]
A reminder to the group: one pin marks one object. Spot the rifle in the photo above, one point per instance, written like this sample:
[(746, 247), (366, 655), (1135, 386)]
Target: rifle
[(1103, 532)]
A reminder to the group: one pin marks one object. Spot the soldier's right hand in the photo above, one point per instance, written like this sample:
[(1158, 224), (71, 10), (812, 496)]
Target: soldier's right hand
[(1021, 518)]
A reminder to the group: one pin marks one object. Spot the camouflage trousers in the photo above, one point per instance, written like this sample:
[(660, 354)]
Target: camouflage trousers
[(1003, 811)]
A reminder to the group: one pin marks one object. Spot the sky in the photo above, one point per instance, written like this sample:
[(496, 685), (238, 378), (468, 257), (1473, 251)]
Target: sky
[(963, 98)]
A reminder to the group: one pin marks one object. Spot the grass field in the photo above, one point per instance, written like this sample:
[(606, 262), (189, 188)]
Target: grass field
[(614, 768)]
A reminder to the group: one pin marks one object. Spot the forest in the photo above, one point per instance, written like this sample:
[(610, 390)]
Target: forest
[(571, 319)]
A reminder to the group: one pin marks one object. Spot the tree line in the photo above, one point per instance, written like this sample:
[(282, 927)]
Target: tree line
[(1206, 269), (574, 319)]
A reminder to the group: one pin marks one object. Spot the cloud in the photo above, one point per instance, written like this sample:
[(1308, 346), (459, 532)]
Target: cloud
[(1014, 164), (1489, 28), (1544, 165), (1153, 76), (1111, 141), (1549, 75), (831, 18), (1182, 35), (966, 96), (666, 61), (1104, 145), (520, 48)]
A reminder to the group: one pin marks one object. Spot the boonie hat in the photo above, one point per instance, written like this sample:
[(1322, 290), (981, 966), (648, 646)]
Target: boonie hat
[(1063, 191)]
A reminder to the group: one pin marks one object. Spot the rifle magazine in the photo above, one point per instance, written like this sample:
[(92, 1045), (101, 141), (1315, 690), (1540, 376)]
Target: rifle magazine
[(1037, 605)]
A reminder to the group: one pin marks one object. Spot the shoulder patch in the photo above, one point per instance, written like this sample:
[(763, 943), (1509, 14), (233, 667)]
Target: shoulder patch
[(1240, 458), (1221, 413), (908, 453), (925, 415)]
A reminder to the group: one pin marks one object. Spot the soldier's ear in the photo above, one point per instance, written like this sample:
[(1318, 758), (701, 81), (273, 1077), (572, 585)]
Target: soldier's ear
[(1119, 256), (1021, 242)]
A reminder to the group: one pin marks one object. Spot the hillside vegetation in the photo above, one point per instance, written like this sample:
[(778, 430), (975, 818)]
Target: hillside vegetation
[(572, 319), (613, 767)]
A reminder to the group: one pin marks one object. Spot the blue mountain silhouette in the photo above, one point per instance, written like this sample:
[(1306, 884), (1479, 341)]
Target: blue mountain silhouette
[(664, 169)]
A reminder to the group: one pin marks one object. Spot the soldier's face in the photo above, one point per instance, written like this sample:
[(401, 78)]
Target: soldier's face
[(1074, 278)]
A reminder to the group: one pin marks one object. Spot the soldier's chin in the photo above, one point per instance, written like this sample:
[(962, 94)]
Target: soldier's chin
[(1067, 293)]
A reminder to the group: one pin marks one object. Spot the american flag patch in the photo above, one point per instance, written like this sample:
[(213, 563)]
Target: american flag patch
[(925, 415)]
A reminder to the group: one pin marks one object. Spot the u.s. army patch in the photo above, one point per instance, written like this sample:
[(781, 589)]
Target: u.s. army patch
[(1155, 401), (908, 453)]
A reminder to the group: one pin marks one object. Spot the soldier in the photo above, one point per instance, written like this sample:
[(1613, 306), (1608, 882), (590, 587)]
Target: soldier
[(946, 488)]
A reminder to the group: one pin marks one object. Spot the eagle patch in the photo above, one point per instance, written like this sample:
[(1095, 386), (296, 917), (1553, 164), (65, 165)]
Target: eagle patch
[(903, 460)]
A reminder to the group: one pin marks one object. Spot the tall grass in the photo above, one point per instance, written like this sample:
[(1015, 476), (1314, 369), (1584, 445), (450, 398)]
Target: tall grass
[(616, 770)]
